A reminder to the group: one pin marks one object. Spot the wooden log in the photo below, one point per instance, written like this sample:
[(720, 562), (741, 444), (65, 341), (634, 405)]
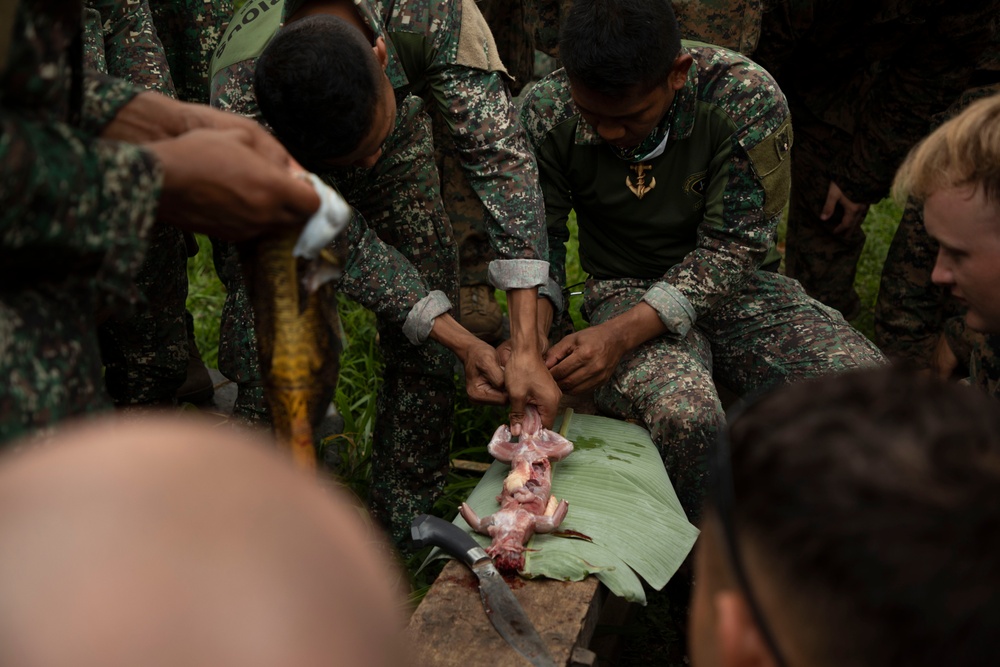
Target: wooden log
[(450, 628)]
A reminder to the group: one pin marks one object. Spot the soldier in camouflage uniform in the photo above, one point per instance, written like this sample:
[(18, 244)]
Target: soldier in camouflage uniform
[(444, 53), (678, 172), (145, 350), (863, 80), (189, 31), (916, 322), (78, 203)]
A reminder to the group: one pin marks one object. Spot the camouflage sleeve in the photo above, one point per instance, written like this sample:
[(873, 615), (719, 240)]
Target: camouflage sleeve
[(380, 278), (922, 79), (232, 90), (70, 200), (129, 44), (103, 98), (744, 200), (501, 169)]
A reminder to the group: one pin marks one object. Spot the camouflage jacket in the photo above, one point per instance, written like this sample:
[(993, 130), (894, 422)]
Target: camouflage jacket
[(694, 222), (444, 53), (878, 70), (70, 203)]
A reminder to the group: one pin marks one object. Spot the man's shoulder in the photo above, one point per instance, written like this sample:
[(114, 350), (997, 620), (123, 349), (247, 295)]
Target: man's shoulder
[(730, 83), (438, 19), (546, 105)]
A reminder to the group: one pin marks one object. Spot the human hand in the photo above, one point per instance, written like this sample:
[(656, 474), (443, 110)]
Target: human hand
[(151, 117), (484, 375), (586, 359), (528, 381), (505, 348), (854, 214), (216, 182)]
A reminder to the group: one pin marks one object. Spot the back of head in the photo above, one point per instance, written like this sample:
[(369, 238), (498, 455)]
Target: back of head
[(168, 542), (317, 85), (965, 151), (871, 503), (618, 46)]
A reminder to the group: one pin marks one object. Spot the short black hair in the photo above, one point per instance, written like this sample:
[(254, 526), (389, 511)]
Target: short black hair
[(873, 497), (317, 86), (615, 46)]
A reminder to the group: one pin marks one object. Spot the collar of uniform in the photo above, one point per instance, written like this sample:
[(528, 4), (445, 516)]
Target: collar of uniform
[(682, 110), (372, 18)]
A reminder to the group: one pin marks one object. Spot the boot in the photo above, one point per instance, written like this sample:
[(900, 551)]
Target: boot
[(480, 313)]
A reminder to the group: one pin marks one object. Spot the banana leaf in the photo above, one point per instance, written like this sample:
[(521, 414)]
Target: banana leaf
[(624, 522)]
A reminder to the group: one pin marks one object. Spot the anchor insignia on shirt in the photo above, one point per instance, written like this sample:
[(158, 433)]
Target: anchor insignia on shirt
[(639, 188)]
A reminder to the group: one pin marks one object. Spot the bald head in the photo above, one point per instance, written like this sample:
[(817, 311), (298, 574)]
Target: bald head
[(168, 542)]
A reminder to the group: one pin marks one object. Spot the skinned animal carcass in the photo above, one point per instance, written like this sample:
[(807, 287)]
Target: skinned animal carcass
[(526, 502)]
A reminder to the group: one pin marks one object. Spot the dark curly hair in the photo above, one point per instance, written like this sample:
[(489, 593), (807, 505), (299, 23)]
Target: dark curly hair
[(317, 85)]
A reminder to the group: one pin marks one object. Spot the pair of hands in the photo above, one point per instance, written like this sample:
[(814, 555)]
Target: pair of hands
[(223, 175), (576, 364)]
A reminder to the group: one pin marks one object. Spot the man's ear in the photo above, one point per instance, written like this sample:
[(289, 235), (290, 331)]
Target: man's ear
[(679, 71), (381, 52), (739, 642)]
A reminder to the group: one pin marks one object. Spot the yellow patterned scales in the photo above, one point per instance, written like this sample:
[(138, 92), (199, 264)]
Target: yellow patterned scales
[(295, 312)]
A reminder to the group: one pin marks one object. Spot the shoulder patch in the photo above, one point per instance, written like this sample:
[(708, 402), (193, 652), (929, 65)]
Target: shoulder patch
[(770, 160)]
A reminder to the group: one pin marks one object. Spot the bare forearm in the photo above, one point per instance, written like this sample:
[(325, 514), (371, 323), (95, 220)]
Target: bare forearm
[(522, 306), (447, 331), (637, 325)]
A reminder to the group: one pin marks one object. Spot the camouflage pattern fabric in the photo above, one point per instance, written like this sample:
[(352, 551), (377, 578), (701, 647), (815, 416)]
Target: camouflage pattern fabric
[(734, 24), (864, 80), (766, 334), (75, 213), (189, 31), (513, 24), (145, 349), (702, 234)]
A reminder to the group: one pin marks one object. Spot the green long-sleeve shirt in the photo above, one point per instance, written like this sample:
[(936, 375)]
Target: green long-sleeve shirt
[(708, 215)]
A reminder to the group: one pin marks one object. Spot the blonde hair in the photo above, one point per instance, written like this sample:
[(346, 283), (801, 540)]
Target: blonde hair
[(965, 151)]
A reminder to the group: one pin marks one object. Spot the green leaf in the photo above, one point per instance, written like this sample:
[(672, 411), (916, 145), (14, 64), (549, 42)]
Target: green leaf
[(620, 497)]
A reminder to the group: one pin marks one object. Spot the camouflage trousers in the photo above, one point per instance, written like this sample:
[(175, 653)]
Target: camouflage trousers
[(513, 24), (825, 263), (189, 31), (769, 333), (145, 350), (400, 200)]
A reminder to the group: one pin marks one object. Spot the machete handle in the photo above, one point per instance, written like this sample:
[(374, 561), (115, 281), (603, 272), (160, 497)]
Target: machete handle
[(427, 530)]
